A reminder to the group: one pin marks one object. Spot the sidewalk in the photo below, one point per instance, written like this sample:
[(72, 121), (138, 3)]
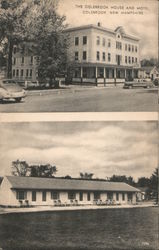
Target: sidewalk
[(70, 208)]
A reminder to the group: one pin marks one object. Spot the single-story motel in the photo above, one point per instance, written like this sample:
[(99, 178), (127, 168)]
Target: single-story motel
[(34, 191)]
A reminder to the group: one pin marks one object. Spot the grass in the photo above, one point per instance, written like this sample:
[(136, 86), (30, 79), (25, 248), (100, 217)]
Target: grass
[(130, 229)]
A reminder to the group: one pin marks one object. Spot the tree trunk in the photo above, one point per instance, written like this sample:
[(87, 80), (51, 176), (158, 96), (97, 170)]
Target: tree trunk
[(9, 61)]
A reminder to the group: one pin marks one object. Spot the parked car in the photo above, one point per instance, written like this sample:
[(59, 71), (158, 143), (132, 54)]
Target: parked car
[(9, 89), (138, 84), (156, 81)]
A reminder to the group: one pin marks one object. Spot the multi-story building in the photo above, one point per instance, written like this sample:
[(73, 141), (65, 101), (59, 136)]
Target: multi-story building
[(24, 63), (102, 55)]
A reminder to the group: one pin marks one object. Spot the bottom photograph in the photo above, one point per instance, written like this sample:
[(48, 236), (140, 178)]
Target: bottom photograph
[(79, 185)]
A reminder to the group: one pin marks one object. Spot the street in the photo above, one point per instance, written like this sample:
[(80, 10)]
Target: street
[(86, 100)]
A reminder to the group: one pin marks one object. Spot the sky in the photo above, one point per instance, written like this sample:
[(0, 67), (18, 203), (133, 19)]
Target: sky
[(102, 148), (144, 25)]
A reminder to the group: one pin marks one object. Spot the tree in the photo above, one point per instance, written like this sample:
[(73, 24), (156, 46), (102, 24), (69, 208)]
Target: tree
[(143, 182), (87, 176), (13, 29), (50, 42), (122, 178), (154, 185), (20, 168), (45, 170)]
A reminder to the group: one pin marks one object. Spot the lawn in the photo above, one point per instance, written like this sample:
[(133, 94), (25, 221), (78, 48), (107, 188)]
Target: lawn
[(130, 229)]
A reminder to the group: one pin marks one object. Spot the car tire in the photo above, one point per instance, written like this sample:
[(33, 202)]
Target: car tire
[(18, 99)]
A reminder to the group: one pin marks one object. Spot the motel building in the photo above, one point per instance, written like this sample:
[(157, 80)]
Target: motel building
[(102, 56), (35, 191)]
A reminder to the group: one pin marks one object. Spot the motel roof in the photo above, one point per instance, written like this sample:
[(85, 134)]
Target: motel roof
[(67, 184), (101, 28)]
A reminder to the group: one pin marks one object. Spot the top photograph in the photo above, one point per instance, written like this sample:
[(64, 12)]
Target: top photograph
[(79, 56)]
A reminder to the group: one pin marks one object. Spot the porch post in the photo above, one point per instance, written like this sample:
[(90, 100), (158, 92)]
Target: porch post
[(81, 74), (104, 75), (115, 76), (125, 74), (133, 74), (96, 73)]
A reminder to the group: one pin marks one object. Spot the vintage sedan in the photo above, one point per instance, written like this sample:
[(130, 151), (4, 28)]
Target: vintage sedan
[(9, 89)]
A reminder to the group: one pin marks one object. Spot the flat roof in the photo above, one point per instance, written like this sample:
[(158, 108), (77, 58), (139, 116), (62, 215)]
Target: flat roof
[(67, 184), (90, 26)]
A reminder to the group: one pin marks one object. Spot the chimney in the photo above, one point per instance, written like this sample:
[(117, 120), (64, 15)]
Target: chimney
[(99, 24)]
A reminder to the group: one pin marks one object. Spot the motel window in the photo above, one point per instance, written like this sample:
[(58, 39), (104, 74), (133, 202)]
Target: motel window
[(109, 43), (117, 196), (118, 45), (54, 195), (22, 71), (98, 55), (33, 195), (110, 195), (96, 196), (81, 196), (84, 55), (76, 56), (13, 72), (98, 40), (14, 60), (14, 50), (22, 59), (31, 59), (129, 59), (103, 42), (126, 47), (44, 196), (30, 72), (21, 195), (76, 41), (88, 196), (17, 72), (132, 48), (71, 195), (27, 73), (132, 59), (84, 40), (109, 57), (135, 48), (126, 59), (129, 47), (123, 196), (136, 59), (129, 196), (103, 56)]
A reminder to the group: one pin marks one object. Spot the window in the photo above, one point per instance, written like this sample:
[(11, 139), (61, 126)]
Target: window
[(88, 196), (110, 195), (84, 40), (135, 48), (44, 196), (23, 59), (98, 55), (17, 72), (76, 41), (103, 42), (136, 59), (33, 195), (13, 72), (81, 196), (129, 47), (21, 195), (27, 73), (76, 56), (117, 196), (132, 59), (98, 40), (109, 57), (132, 48), (129, 196), (84, 55), (129, 59), (109, 43), (71, 195), (126, 60), (21, 73), (96, 195), (31, 59), (118, 45), (14, 50), (103, 56), (14, 61), (126, 47), (123, 196), (30, 72), (54, 195)]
